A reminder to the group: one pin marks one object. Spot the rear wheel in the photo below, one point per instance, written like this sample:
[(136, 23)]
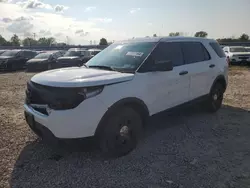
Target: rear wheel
[(215, 97), (120, 132)]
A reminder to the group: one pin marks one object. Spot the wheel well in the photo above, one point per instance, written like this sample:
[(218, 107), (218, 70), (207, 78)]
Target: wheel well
[(222, 81), (141, 109), (138, 105)]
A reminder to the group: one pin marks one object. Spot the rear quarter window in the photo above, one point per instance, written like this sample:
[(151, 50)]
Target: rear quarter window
[(216, 47)]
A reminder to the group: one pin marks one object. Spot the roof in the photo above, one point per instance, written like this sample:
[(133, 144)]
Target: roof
[(157, 39)]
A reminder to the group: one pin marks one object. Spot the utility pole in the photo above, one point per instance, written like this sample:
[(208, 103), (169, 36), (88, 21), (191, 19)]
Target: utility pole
[(34, 36)]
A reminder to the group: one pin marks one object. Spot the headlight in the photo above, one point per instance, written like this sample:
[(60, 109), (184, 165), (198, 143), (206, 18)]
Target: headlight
[(71, 98), (5, 61), (90, 92)]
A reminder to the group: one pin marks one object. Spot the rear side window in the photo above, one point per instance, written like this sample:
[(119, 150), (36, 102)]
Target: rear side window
[(216, 47), (194, 52), (166, 51)]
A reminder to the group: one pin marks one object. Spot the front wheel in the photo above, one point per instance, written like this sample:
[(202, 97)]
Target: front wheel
[(215, 97), (120, 132)]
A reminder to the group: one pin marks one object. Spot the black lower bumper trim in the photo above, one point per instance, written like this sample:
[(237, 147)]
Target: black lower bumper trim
[(40, 130)]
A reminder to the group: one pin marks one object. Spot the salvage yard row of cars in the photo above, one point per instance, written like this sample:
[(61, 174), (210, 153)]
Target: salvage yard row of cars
[(44, 60)]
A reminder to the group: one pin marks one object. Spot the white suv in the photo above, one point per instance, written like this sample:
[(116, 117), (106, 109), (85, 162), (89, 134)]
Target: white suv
[(237, 54), (112, 96)]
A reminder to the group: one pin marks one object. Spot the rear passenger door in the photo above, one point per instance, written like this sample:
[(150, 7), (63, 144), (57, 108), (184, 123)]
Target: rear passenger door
[(198, 62), (169, 88)]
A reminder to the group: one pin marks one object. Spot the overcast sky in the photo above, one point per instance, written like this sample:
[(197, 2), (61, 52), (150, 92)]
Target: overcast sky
[(83, 20)]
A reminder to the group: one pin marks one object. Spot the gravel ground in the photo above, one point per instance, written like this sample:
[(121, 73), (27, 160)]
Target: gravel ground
[(188, 148)]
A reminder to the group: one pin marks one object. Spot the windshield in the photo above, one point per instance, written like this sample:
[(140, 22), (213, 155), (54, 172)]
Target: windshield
[(42, 56), (73, 53), (237, 49), (10, 53), (126, 56)]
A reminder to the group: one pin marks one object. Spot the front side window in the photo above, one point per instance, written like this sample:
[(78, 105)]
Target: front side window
[(56, 55), (122, 56), (165, 51), (194, 52)]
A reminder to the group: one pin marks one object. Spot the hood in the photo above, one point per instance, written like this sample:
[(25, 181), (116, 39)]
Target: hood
[(36, 60), (240, 53), (80, 77), (6, 57), (68, 57)]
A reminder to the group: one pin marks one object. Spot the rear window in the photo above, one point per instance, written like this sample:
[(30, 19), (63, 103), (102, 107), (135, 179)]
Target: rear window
[(194, 52), (216, 47)]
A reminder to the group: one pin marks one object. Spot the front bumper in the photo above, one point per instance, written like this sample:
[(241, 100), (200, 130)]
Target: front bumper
[(4, 66), (236, 59), (36, 66), (79, 122), (37, 128)]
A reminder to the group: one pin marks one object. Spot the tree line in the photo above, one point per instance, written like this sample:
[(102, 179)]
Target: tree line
[(43, 41), (28, 41), (243, 38)]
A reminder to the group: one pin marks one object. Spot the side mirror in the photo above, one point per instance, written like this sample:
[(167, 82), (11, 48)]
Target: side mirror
[(162, 66), (226, 51)]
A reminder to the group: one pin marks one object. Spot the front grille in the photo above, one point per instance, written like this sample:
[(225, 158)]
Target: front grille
[(56, 98), (243, 56), (33, 96)]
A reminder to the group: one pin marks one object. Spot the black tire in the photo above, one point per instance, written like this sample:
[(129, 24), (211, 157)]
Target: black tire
[(215, 97), (120, 132)]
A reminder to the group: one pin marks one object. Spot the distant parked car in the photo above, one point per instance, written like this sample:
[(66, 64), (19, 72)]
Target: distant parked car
[(2, 51), (62, 51), (73, 57), (15, 59), (43, 61), (94, 51), (237, 54), (247, 49)]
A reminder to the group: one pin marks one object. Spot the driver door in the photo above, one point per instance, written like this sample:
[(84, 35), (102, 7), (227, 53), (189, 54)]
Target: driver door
[(167, 89)]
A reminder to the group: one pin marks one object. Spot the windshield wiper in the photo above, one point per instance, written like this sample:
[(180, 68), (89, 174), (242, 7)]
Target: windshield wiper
[(102, 67)]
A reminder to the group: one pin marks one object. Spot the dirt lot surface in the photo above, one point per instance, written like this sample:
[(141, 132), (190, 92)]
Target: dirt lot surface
[(190, 148)]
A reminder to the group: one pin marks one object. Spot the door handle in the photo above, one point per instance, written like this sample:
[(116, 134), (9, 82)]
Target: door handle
[(212, 65), (183, 72)]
